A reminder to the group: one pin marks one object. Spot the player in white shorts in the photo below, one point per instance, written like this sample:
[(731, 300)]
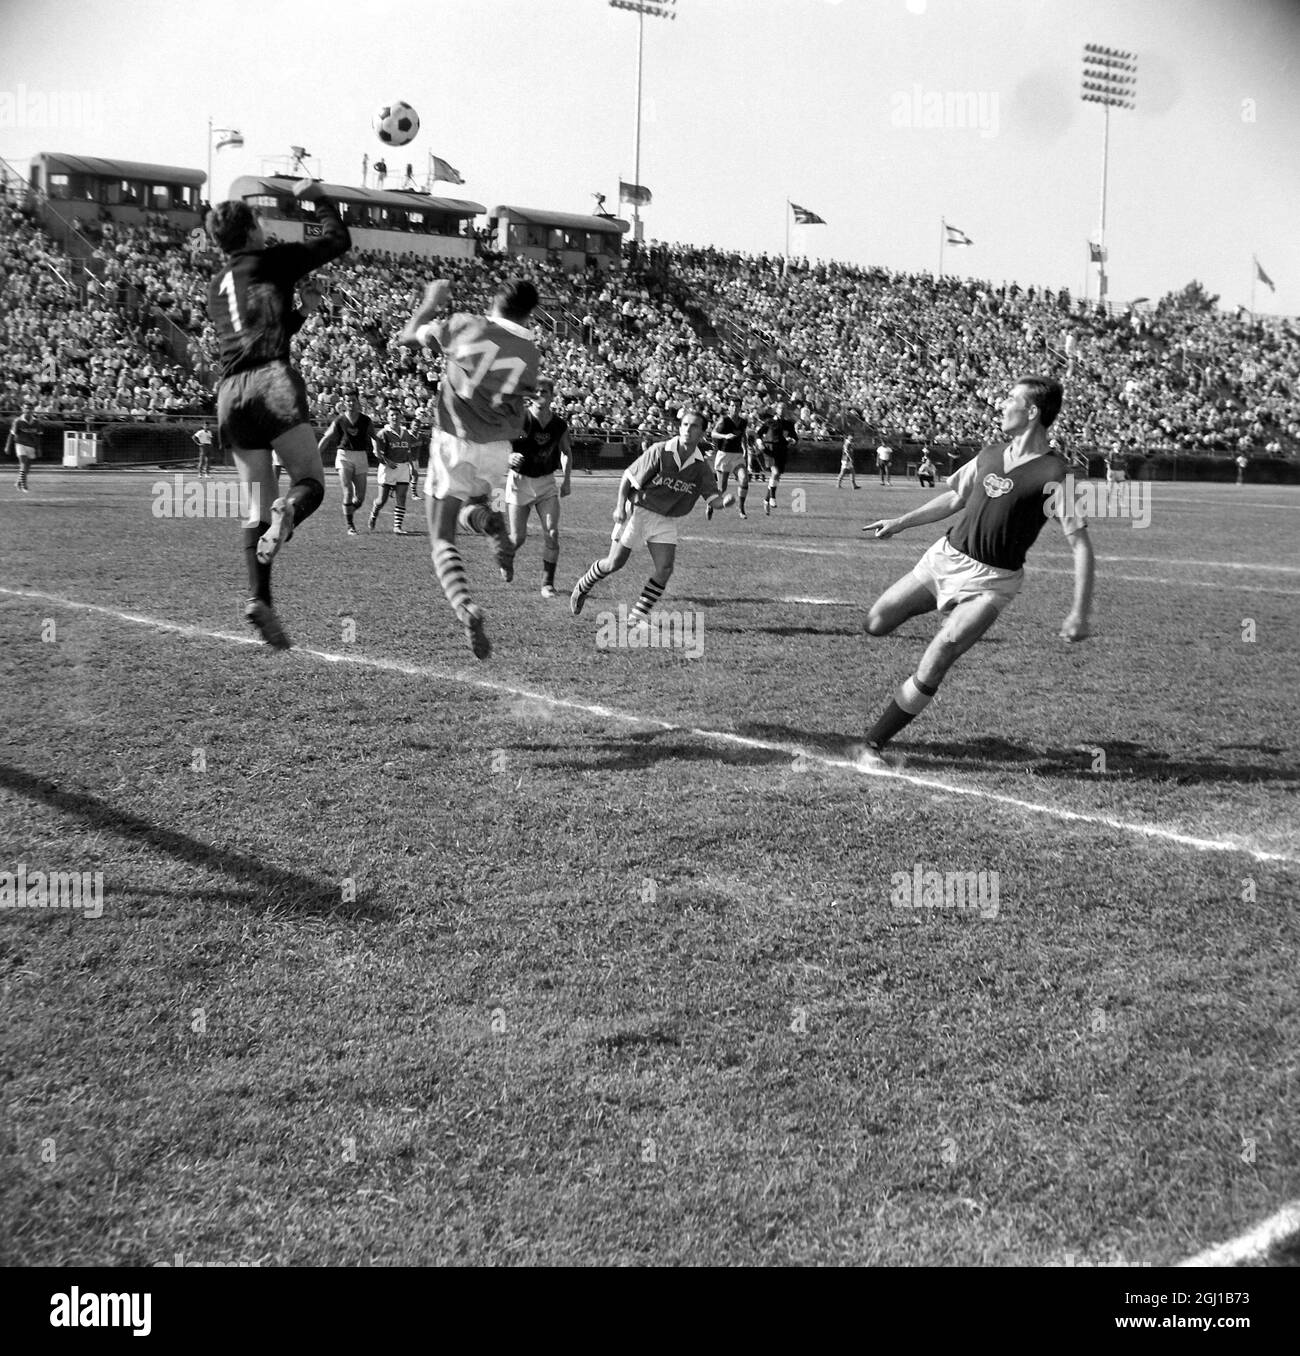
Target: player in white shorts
[(1004, 496), (543, 448), (729, 434), (353, 434), (396, 448), (491, 364), (661, 486)]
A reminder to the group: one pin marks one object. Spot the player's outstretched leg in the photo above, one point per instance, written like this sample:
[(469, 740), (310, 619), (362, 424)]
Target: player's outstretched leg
[(399, 510), (663, 554), (618, 556), (384, 492), (772, 482), (487, 522), (441, 515), (742, 480), (296, 451)]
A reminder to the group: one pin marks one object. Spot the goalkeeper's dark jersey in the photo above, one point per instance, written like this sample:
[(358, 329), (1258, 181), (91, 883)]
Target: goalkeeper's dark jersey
[(250, 298)]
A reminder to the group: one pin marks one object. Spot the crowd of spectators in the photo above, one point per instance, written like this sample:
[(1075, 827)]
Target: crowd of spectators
[(81, 349), (906, 357)]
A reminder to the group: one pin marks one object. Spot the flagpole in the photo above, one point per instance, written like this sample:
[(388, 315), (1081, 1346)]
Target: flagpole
[(1254, 275), (943, 235), (787, 228), (208, 185)]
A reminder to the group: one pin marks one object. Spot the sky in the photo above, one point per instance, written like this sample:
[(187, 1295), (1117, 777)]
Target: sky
[(747, 104)]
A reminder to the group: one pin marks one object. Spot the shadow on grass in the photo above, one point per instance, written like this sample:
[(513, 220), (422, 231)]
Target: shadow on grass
[(643, 748), (1124, 761), (267, 883)]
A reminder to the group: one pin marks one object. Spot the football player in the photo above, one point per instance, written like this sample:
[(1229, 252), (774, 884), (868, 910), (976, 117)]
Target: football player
[(262, 401), (490, 369), (542, 449), (353, 434)]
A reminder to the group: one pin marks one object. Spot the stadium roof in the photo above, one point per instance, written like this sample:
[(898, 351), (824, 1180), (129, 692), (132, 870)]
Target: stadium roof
[(404, 200), (121, 169), (567, 221)]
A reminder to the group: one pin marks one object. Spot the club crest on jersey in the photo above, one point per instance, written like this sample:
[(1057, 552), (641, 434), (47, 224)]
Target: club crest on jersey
[(995, 486)]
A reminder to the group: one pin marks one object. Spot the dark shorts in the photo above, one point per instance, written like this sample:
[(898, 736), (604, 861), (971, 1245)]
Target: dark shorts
[(256, 407), (776, 459)]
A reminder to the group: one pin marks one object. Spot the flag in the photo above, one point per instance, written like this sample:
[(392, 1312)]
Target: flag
[(956, 237), (1263, 277), (637, 194), (803, 217), (1096, 254), (231, 138), (442, 170)]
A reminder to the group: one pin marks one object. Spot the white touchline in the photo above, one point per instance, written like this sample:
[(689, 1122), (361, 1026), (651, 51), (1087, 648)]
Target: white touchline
[(718, 736), (1254, 1243)]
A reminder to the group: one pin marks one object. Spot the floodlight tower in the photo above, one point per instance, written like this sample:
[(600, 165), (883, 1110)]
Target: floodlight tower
[(1109, 79), (656, 9)]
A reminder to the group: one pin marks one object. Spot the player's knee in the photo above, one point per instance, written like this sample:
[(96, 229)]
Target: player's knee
[(877, 623)]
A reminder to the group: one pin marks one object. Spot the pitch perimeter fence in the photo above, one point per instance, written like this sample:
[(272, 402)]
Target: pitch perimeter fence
[(125, 443)]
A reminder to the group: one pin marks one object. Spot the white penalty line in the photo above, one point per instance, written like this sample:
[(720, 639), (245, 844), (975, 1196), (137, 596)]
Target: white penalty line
[(1262, 1239), (802, 756)]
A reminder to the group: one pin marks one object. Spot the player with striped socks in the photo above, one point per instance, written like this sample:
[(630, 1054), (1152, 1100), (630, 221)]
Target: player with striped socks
[(1004, 495), (396, 448), (661, 486), (490, 370)]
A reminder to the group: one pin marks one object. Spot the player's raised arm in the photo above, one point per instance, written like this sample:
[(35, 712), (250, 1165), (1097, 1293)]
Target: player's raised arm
[(334, 239), (428, 321)]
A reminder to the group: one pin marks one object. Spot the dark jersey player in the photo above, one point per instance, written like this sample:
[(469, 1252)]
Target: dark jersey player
[(351, 437), (1005, 495), (729, 435), (542, 449), (779, 436), (262, 401), (490, 370)]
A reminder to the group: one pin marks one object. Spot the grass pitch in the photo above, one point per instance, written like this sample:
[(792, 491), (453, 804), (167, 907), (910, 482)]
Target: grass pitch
[(600, 954)]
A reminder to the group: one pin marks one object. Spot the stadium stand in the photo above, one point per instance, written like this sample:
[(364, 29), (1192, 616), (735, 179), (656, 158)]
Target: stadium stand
[(114, 327)]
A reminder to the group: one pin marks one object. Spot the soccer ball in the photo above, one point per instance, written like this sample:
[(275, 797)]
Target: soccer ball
[(397, 123)]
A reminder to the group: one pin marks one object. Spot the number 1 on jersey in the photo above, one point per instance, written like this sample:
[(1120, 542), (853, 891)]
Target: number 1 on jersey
[(228, 287)]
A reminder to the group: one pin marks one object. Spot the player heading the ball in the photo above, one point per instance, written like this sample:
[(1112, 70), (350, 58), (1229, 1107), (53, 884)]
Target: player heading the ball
[(490, 370)]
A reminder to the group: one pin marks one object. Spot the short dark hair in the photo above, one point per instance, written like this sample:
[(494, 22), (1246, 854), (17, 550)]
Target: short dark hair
[(517, 298), (1047, 394), (231, 223), (691, 412)]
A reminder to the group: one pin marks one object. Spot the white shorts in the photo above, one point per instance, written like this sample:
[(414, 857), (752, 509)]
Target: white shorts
[(644, 525), (462, 470), (524, 491), (724, 463), (24, 453), (953, 577), (356, 459), (395, 475)]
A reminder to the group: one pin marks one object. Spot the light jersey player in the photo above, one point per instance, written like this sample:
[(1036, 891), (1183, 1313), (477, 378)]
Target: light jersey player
[(352, 433), (396, 447), (262, 401), (660, 487), (729, 434), (1005, 495), (490, 369), (538, 453)]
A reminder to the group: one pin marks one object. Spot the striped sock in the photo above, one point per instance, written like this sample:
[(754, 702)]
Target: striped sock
[(399, 516), (478, 518), (650, 595), (907, 703), (450, 570), (594, 575)]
